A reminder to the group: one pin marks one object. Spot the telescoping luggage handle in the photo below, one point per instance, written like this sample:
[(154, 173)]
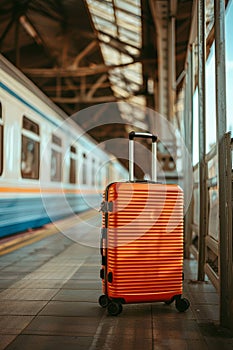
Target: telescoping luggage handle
[(144, 135)]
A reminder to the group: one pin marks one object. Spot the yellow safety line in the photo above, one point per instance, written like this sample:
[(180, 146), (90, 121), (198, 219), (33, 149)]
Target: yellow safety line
[(44, 190), (19, 243), (38, 235)]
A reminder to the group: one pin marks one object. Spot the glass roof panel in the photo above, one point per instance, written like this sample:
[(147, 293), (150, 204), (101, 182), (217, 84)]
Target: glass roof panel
[(130, 6), (131, 31), (138, 100), (127, 18), (107, 6), (104, 25), (120, 92), (111, 56), (120, 20), (99, 9), (109, 30), (134, 73), (133, 38), (133, 50)]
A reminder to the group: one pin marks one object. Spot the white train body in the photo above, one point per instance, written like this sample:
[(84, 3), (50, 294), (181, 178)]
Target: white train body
[(48, 167)]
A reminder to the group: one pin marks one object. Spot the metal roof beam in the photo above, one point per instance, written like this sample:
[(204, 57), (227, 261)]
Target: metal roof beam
[(84, 99), (72, 87), (96, 85), (92, 46), (79, 72)]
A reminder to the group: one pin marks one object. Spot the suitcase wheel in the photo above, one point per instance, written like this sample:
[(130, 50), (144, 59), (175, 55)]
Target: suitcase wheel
[(182, 304), (103, 301), (114, 308)]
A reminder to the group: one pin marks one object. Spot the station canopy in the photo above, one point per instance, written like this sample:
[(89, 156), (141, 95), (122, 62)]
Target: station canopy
[(83, 53)]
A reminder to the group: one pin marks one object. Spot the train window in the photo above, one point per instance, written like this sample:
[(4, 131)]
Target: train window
[(93, 172), (30, 125), (100, 176), (1, 140), (56, 159), (84, 169), (30, 150), (72, 165), (56, 140)]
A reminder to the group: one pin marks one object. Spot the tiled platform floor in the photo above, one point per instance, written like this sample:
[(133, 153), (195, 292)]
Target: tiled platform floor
[(48, 301)]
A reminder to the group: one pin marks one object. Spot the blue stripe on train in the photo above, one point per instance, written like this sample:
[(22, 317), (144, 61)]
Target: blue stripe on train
[(20, 214)]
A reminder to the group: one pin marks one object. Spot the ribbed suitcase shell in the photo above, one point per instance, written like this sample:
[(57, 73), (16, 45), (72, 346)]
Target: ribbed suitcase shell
[(144, 241)]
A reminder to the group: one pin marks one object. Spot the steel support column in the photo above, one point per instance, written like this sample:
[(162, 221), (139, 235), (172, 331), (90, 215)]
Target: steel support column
[(224, 183), (160, 16), (202, 140), (188, 141), (189, 102), (171, 59)]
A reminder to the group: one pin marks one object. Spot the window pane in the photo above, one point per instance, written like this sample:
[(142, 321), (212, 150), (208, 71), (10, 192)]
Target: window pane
[(29, 158), (84, 169), (93, 173), (72, 171), (229, 66), (99, 176), (1, 149), (72, 149), (30, 125), (73, 160), (55, 166), (1, 142), (210, 100), (56, 140)]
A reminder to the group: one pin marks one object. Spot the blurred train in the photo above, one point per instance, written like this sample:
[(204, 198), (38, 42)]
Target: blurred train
[(49, 168)]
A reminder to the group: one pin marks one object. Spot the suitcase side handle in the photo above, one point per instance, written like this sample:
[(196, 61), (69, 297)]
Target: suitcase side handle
[(132, 135)]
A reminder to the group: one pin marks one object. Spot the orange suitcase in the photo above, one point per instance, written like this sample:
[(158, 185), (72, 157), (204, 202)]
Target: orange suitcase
[(142, 241)]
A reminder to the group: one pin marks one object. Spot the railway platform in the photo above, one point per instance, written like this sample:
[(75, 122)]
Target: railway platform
[(49, 290)]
